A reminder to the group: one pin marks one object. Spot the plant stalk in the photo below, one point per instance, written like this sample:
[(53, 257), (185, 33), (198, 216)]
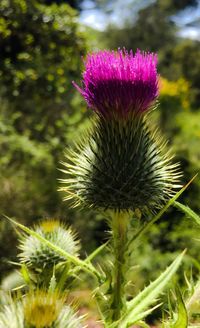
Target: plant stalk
[(119, 231)]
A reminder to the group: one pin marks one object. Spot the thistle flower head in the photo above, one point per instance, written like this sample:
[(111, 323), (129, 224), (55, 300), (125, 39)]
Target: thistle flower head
[(38, 255), (119, 83), (39, 309), (123, 164)]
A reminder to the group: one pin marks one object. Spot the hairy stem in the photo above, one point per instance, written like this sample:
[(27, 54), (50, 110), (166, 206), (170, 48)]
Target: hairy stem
[(119, 230)]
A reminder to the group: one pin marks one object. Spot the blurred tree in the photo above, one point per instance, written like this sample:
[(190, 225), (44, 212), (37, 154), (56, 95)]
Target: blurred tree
[(183, 60), (41, 50), (76, 4), (155, 30), (172, 6), (40, 54)]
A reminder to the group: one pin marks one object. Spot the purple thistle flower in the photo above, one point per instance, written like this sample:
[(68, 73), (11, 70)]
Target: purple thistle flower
[(120, 82), (122, 164)]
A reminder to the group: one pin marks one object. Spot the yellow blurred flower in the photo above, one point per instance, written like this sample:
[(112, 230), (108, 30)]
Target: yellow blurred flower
[(179, 89)]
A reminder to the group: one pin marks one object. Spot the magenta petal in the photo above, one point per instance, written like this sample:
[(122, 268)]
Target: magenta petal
[(120, 82)]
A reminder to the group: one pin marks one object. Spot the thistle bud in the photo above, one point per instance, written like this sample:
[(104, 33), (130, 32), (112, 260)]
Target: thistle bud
[(37, 255), (122, 164)]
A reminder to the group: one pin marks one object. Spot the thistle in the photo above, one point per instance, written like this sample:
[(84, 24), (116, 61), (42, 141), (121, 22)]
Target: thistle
[(37, 255), (39, 309), (122, 164)]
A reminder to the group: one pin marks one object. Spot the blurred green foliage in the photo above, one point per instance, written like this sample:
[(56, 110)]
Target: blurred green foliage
[(41, 49)]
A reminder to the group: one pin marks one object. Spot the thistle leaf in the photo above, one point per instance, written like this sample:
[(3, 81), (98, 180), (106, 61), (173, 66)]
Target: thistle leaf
[(96, 252), (148, 296), (162, 211), (142, 315), (185, 209), (182, 320)]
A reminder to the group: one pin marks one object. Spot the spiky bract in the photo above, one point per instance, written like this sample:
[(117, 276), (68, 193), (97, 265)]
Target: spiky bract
[(122, 166), (39, 309), (38, 255), (12, 315)]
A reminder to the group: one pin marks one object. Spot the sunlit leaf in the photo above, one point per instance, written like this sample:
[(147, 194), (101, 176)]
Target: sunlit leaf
[(182, 320), (148, 296), (185, 209)]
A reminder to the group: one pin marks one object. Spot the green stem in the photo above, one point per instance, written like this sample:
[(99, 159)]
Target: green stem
[(119, 230)]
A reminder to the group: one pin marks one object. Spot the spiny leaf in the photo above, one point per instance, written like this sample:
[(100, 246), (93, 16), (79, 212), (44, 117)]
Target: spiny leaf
[(182, 320), (96, 252), (143, 315), (148, 296), (185, 209)]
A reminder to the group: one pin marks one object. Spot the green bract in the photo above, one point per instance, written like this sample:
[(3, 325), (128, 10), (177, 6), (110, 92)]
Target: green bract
[(123, 165)]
